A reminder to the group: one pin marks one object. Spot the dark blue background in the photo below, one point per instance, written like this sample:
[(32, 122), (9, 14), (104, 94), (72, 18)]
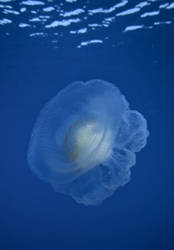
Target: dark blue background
[(140, 215)]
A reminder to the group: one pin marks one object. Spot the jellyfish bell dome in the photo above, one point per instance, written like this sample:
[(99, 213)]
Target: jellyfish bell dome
[(84, 141)]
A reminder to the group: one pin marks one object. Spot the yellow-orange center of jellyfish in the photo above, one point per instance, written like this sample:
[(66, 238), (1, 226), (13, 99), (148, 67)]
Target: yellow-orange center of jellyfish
[(88, 141)]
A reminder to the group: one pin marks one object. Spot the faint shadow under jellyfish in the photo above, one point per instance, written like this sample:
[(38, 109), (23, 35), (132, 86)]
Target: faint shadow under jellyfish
[(84, 141)]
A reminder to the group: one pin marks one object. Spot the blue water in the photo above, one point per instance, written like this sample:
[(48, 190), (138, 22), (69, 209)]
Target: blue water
[(138, 216)]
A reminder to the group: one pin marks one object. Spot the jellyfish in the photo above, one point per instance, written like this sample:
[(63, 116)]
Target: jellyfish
[(85, 139)]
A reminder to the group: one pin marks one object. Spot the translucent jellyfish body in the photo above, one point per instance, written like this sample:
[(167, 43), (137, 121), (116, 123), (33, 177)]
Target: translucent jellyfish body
[(85, 139)]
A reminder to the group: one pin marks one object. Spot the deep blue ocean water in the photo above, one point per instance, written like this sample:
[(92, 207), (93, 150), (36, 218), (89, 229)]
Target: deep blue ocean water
[(138, 216)]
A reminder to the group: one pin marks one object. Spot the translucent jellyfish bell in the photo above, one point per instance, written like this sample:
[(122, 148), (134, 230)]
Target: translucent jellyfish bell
[(85, 139)]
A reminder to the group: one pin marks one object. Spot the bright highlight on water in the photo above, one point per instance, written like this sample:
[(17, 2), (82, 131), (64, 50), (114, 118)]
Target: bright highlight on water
[(85, 139), (82, 22)]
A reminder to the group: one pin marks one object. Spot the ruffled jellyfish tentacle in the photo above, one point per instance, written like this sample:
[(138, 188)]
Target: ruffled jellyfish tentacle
[(116, 171), (133, 131)]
